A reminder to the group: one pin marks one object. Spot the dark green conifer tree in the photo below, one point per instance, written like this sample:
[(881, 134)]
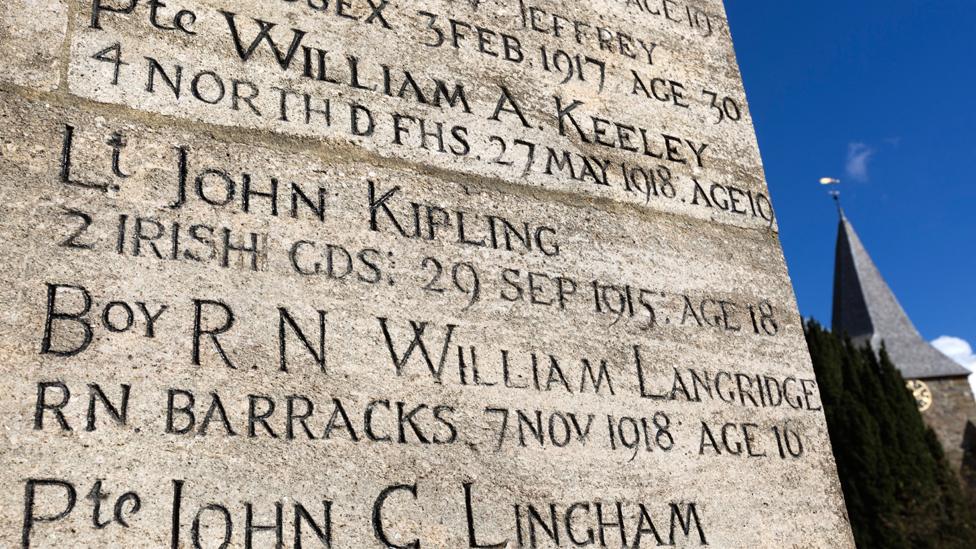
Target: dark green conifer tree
[(899, 489)]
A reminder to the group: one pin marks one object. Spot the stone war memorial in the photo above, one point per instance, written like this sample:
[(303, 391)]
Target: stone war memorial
[(395, 274)]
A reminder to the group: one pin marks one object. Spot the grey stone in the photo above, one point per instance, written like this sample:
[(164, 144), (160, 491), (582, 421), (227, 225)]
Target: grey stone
[(32, 34), (206, 77), (583, 347), (866, 309)]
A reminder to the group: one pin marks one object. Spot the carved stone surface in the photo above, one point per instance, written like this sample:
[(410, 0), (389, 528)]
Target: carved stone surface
[(223, 324)]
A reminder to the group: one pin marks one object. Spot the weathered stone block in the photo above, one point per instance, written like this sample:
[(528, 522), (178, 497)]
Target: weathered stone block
[(32, 34), (604, 109), (230, 320)]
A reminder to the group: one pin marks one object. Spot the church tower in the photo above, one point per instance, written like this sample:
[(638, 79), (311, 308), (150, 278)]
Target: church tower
[(867, 310)]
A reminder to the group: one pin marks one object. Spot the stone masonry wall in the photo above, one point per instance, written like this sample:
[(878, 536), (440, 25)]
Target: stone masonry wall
[(952, 408)]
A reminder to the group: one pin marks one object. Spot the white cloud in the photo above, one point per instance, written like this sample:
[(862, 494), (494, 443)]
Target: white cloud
[(858, 157), (959, 350)]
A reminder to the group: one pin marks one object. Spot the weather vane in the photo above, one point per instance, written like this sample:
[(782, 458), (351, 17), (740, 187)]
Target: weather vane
[(833, 192)]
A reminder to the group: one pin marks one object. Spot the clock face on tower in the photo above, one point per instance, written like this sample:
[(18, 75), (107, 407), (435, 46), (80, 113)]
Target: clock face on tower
[(921, 392)]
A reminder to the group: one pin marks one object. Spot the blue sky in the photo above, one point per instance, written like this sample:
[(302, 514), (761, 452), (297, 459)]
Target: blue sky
[(881, 94)]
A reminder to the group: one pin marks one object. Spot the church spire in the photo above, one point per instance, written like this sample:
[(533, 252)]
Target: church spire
[(867, 310)]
